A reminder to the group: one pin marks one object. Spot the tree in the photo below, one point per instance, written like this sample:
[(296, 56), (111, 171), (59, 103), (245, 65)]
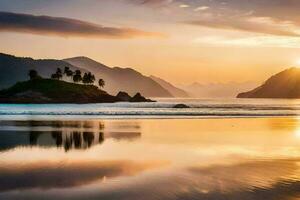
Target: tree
[(88, 78), (68, 72), (57, 75), (77, 76), (91, 78), (54, 76), (101, 83), (85, 78), (33, 74)]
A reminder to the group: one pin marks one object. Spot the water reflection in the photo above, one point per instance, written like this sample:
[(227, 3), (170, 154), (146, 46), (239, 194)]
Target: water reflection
[(48, 175), (209, 159), (62, 134)]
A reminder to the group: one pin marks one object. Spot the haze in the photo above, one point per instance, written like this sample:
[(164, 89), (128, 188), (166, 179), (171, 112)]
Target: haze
[(182, 41)]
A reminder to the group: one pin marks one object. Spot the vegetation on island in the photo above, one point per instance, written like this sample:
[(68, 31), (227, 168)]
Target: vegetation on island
[(76, 76), (55, 90)]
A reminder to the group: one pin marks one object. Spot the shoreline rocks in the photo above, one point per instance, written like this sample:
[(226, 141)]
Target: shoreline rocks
[(181, 106)]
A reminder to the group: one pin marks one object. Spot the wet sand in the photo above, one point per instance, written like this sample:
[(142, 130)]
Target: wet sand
[(238, 158)]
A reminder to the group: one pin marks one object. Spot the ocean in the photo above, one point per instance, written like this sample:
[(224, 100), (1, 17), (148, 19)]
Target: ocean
[(163, 108), (233, 149)]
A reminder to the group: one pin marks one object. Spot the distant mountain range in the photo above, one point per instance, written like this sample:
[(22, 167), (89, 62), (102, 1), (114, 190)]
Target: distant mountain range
[(285, 84), (14, 69), (217, 90), (176, 92)]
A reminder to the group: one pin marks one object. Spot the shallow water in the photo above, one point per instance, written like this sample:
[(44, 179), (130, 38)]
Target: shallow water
[(235, 159), (163, 108)]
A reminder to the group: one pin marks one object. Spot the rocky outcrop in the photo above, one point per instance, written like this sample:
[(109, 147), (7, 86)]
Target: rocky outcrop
[(139, 98), (124, 96), (181, 106)]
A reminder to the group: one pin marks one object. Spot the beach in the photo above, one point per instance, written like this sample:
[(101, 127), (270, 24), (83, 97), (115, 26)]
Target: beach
[(219, 158)]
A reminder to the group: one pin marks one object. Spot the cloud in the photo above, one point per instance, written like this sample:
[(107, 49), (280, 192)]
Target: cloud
[(277, 9), (201, 8), (66, 27), (272, 17), (262, 25), (253, 41), (149, 2)]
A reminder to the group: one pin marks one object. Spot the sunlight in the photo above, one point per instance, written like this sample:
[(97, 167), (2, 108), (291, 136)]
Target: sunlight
[(298, 63), (297, 134)]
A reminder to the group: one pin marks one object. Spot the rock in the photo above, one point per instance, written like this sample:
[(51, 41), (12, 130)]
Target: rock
[(181, 106), (124, 96), (139, 98)]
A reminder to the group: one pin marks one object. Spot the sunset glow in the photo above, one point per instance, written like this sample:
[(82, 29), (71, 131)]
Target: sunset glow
[(180, 41)]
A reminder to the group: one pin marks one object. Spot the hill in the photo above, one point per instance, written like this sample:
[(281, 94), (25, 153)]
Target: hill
[(54, 91), (176, 92), (285, 84), (124, 79), (14, 69)]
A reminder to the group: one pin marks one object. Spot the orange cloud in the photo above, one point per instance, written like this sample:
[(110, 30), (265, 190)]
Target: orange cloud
[(67, 27)]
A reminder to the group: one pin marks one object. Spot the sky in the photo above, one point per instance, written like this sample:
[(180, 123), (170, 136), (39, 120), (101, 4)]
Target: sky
[(181, 41)]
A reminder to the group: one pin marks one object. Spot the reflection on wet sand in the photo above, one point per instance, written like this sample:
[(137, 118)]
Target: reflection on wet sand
[(255, 180), (66, 134), (209, 159), (49, 174)]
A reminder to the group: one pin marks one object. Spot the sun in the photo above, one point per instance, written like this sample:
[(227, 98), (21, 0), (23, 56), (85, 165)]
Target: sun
[(298, 63)]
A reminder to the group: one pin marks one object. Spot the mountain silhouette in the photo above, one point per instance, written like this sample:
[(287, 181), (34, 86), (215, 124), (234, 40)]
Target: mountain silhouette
[(15, 69), (121, 79), (217, 90), (285, 84)]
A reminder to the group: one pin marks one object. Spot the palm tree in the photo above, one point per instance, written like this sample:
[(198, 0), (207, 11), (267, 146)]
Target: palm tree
[(57, 75), (85, 78), (101, 83), (88, 78), (91, 78), (77, 76), (33, 74), (68, 72)]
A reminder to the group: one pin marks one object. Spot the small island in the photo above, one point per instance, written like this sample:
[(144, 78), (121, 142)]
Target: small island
[(40, 90)]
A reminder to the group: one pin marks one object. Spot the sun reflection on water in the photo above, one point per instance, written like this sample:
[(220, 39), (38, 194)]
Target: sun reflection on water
[(169, 159)]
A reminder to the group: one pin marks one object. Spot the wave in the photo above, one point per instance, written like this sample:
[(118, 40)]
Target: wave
[(153, 114), (198, 108)]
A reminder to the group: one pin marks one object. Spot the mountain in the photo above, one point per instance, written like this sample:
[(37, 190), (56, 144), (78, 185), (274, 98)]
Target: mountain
[(176, 92), (285, 84), (121, 79), (14, 69), (217, 90)]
